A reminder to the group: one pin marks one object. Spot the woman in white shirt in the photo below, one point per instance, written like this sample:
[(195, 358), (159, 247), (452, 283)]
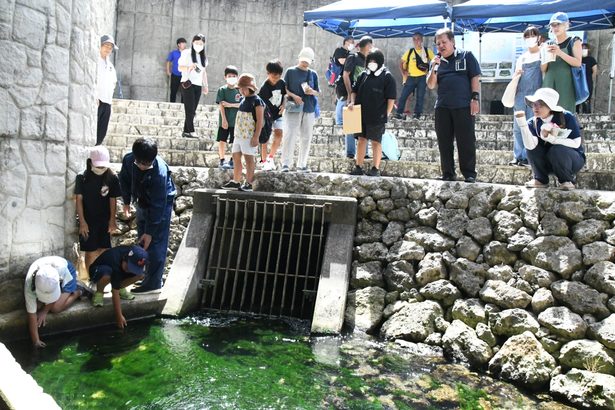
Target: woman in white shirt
[(192, 64)]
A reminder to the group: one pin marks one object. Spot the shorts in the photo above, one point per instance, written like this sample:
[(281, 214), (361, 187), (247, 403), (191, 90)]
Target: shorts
[(278, 124), (372, 132), (243, 145), (226, 135), (98, 271), (98, 238), (71, 286)]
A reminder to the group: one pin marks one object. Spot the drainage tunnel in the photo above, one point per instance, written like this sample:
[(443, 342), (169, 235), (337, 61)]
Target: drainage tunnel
[(266, 253)]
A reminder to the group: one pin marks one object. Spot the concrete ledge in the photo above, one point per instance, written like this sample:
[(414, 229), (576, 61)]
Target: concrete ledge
[(18, 390), (13, 325)]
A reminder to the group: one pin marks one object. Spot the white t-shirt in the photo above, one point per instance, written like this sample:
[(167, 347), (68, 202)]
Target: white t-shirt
[(107, 79), (527, 58), (186, 59), (59, 263)]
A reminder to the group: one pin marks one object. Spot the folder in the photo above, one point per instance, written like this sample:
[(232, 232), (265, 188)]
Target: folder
[(352, 120)]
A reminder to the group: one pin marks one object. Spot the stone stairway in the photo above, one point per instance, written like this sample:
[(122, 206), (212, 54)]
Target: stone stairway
[(417, 142)]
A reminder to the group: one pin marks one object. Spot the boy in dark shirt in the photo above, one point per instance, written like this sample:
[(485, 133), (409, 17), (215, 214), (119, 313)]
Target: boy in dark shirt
[(228, 99), (121, 266), (375, 90), (272, 92)]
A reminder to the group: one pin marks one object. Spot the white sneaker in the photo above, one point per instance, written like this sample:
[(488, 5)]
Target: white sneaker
[(261, 166), (269, 165)]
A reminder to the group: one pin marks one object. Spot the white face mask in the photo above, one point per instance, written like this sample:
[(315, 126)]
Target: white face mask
[(350, 47), (99, 171), (373, 67), (531, 42), (197, 47), (231, 80), (585, 53)]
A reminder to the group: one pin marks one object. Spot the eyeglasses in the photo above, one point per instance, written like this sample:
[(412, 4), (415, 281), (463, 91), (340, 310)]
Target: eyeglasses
[(538, 104)]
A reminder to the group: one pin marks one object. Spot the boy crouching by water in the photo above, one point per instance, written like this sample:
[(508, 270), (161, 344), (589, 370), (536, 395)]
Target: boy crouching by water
[(121, 266), (248, 125)]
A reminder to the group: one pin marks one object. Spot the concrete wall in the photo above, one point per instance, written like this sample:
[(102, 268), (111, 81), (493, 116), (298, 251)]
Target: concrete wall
[(47, 119)]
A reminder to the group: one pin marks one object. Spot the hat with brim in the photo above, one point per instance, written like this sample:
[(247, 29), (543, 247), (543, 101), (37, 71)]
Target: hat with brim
[(47, 284), (306, 55), (99, 156), (247, 80), (559, 17), (548, 96), (137, 259), (108, 39)]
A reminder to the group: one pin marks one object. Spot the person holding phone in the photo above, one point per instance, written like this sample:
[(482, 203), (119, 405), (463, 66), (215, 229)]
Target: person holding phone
[(456, 74), (192, 64), (146, 179)]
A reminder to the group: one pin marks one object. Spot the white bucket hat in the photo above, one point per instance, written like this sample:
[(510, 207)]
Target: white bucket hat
[(548, 96), (307, 55), (47, 284)]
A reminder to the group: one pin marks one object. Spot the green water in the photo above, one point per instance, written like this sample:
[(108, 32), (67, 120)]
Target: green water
[(214, 362)]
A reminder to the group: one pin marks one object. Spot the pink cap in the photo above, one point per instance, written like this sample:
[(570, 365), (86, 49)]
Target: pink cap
[(100, 156)]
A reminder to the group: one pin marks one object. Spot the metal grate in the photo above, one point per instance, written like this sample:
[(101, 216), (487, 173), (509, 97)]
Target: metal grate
[(265, 256)]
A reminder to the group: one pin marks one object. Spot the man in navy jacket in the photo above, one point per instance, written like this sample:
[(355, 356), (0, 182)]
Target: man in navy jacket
[(146, 179)]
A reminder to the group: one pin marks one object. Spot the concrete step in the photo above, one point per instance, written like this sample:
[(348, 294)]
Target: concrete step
[(427, 167), (335, 143)]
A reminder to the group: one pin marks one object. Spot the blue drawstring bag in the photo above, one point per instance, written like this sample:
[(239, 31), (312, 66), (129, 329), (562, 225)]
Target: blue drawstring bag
[(390, 147)]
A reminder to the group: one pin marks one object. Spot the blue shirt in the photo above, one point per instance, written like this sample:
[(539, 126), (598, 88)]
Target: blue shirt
[(294, 77), (151, 189), (454, 80), (174, 58), (535, 124)]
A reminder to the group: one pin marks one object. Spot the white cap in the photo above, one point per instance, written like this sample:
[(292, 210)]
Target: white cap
[(47, 284), (307, 55)]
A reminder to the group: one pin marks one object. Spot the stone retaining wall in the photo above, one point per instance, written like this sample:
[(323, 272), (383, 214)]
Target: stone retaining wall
[(47, 117), (517, 282)]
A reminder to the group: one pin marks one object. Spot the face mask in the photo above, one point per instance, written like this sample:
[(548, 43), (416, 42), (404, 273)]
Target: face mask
[(99, 171), (531, 42), (585, 53), (373, 67), (198, 48), (231, 80), (350, 47)]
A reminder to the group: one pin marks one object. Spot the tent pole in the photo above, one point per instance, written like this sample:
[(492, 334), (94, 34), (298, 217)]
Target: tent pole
[(480, 63), (305, 24), (612, 73)]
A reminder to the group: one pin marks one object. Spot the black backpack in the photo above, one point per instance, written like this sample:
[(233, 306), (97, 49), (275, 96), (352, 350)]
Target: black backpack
[(420, 64), (267, 121)]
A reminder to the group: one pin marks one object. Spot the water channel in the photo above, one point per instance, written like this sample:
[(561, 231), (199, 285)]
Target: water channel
[(209, 361)]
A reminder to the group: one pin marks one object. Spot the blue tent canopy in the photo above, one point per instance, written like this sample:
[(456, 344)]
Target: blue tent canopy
[(600, 19), (383, 9), (516, 8), (384, 28)]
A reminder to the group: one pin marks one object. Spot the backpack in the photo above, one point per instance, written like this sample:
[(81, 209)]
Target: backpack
[(420, 64), (267, 122), (333, 72)]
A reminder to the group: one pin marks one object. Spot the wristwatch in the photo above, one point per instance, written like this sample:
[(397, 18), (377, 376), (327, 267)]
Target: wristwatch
[(475, 96)]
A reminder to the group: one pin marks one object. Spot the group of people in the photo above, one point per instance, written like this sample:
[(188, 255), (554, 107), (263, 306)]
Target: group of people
[(52, 284), (550, 140)]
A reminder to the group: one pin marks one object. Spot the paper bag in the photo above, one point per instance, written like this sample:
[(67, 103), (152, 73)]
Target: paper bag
[(352, 120)]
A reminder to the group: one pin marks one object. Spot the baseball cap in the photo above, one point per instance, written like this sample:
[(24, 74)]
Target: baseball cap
[(307, 55), (99, 156), (47, 284), (559, 17), (137, 259), (108, 39)]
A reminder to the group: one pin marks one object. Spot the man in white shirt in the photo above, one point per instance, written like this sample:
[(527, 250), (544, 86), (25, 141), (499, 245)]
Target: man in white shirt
[(107, 79)]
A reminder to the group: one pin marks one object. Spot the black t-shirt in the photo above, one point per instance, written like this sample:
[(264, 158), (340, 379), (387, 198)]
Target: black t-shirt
[(355, 65), (111, 260), (373, 93), (589, 63), (340, 52), (454, 80), (96, 191), (273, 95)]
